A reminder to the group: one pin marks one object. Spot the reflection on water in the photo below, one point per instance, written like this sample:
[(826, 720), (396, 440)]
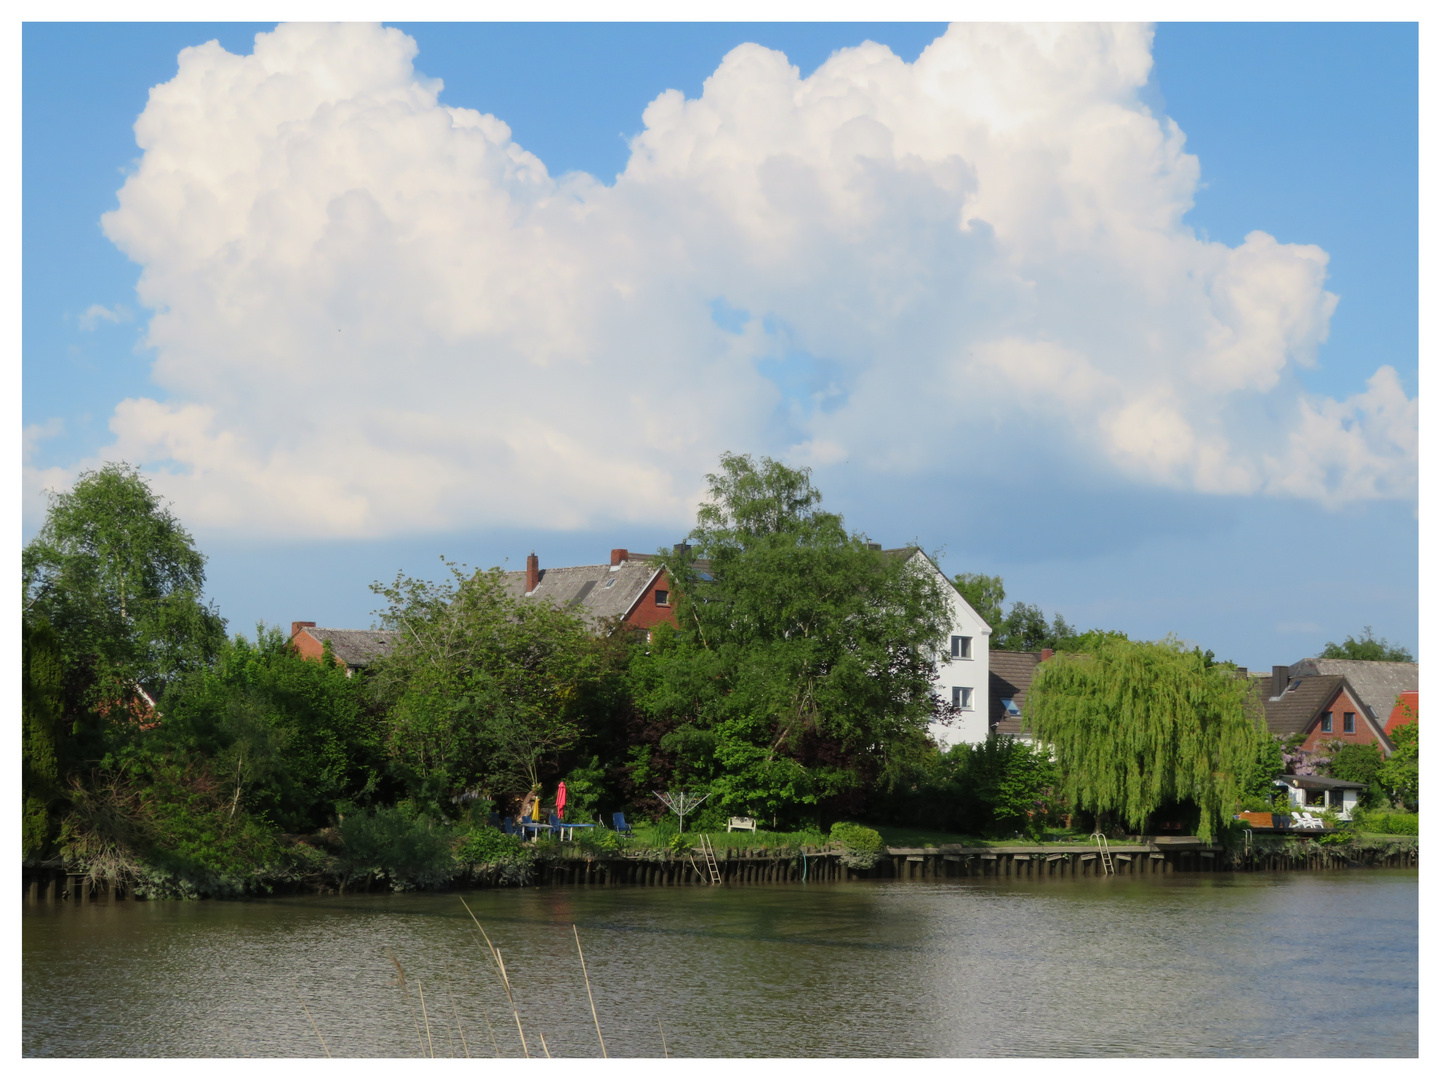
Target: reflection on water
[(1250, 965)]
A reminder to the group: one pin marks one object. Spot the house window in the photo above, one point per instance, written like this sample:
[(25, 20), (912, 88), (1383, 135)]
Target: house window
[(960, 647), (1349, 723), (662, 597), (960, 697), (1327, 721), (1008, 704)]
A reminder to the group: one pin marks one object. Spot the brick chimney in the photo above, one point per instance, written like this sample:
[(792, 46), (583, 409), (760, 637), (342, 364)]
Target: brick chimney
[(532, 572), (617, 556), (296, 627), (1279, 679), (1045, 654)]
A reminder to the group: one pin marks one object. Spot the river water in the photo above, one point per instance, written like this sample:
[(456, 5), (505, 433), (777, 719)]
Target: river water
[(1287, 965)]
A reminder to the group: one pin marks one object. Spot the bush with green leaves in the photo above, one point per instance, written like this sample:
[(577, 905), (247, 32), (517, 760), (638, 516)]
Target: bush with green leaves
[(410, 851), (860, 848), (1386, 823), (491, 849)]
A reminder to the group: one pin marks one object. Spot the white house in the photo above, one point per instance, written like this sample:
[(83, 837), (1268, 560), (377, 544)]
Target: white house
[(1322, 793), (963, 675)]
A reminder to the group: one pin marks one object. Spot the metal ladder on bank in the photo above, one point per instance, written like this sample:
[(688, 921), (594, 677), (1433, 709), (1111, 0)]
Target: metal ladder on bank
[(710, 864), (1104, 845)]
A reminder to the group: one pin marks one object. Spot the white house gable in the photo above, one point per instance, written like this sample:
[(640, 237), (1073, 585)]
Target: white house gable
[(963, 675)]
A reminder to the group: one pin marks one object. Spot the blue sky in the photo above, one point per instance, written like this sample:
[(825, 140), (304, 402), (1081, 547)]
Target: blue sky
[(1307, 133)]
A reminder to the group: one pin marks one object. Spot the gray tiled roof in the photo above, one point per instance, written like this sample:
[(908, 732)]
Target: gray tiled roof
[(353, 648), (1377, 682), (595, 592), (1010, 677)]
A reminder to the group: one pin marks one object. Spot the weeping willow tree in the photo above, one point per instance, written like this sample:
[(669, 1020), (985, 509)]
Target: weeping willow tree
[(1135, 725)]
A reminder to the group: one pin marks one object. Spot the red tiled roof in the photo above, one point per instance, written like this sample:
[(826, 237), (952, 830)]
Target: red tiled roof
[(1406, 710)]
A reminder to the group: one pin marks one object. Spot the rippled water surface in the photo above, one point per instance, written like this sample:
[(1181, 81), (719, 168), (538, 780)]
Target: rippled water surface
[(1292, 965)]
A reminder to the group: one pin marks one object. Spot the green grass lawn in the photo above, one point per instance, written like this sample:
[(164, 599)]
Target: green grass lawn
[(657, 836), (896, 836)]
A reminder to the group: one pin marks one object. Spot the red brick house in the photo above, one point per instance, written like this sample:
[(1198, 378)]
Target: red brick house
[(1324, 708), (355, 649), (629, 586)]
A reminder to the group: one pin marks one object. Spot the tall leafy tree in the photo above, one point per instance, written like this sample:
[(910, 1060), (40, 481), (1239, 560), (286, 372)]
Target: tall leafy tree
[(1136, 725), (289, 737), (1400, 774), (120, 582), (42, 707), (803, 662), (484, 690), (1366, 647), (985, 594)]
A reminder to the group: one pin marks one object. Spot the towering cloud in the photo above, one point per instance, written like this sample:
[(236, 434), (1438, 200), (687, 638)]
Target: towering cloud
[(373, 312)]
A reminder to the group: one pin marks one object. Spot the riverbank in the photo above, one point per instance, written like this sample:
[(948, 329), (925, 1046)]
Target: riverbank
[(734, 866)]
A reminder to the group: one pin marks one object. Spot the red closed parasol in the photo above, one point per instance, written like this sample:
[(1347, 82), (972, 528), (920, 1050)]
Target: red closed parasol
[(560, 801)]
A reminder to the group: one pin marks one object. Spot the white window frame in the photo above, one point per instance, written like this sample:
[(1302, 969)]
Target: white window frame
[(962, 698)]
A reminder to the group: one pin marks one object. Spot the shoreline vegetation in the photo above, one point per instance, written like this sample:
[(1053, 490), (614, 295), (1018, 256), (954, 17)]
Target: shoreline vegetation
[(796, 688), (320, 864)]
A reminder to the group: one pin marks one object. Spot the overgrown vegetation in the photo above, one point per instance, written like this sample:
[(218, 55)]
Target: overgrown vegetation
[(160, 755)]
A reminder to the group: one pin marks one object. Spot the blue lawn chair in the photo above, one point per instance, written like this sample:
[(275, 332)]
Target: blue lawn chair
[(620, 827), (507, 826), (554, 823)]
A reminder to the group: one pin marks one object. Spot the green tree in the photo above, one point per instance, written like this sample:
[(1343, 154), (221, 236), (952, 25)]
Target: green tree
[(1267, 764), (802, 666), (42, 708), (1400, 774), (120, 582), (1360, 763), (1366, 647), (484, 690), (985, 594), (1135, 725), (289, 737)]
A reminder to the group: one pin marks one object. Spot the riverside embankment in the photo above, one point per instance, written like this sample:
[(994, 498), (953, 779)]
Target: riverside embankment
[(760, 866)]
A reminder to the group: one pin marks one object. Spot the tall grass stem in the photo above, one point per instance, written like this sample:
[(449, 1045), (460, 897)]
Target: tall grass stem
[(500, 963), (420, 987), (311, 1019), (596, 1016)]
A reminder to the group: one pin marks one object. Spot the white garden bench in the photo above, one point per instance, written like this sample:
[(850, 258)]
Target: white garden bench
[(741, 823)]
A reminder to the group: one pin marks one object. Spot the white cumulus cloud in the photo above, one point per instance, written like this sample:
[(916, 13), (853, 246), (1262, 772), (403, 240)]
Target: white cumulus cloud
[(374, 312)]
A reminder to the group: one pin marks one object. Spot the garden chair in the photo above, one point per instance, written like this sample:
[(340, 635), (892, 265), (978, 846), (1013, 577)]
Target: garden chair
[(554, 823), (620, 826)]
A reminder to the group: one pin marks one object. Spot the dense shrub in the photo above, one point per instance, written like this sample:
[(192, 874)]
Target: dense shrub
[(412, 852), (860, 848), (1390, 824), (490, 848)]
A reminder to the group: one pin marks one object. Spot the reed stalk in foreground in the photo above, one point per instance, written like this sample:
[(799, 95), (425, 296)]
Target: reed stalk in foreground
[(486, 1014), (420, 987), (311, 1018), (662, 1039), (459, 1026), (400, 978), (542, 1044), (593, 1013), (499, 963)]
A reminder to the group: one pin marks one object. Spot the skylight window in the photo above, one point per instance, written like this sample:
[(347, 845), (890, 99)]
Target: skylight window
[(1011, 708)]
